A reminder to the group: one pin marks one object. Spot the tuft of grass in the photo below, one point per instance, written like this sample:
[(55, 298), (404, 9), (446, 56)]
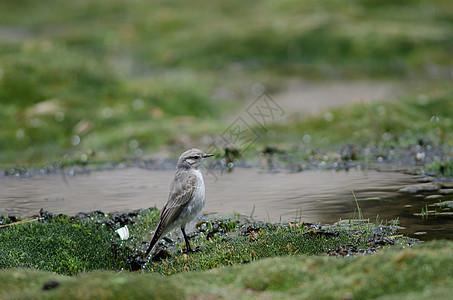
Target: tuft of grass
[(61, 246), (359, 211), (443, 168)]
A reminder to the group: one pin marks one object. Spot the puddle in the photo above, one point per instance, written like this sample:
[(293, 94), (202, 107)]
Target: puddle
[(321, 196)]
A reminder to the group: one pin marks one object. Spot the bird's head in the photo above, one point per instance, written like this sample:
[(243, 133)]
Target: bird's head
[(192, 158)]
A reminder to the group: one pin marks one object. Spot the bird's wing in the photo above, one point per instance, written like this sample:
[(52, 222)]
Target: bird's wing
[(181, 191)]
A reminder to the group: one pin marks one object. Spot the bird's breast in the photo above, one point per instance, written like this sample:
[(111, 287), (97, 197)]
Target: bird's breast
[(198, 201), (199, 196)]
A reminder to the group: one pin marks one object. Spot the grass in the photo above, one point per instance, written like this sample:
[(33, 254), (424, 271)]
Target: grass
[(272, 241), (60, 246), (444, 168), (418, 272), (419, 118), (366, 36), (68, 245), (89, 81), (415, 119), (239, 258), (95, 81)]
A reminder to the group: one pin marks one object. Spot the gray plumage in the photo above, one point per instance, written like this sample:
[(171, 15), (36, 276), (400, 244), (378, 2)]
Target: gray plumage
[(186, 199)]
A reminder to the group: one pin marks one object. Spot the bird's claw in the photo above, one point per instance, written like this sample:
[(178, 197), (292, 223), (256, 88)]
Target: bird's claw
[(190, 250)]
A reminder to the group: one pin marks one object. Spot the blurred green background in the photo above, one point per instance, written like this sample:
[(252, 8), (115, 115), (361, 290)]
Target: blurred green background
[(96, 80)]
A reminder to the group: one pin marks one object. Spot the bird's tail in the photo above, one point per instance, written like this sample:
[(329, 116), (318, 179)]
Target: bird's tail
[(155, 239)]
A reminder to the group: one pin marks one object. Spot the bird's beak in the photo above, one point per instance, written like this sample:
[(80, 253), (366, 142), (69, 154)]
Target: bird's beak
[(208, 155)]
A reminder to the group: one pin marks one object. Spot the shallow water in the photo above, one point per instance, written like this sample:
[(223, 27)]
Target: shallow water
[(323, 196)]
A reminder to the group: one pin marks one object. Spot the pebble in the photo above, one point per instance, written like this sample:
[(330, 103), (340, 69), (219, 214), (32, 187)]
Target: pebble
[(446, 191), (420, 233), (418, 188), (433, 197), (446, 184), (425, 179), (445, 213), (370, 198), (444, 203)]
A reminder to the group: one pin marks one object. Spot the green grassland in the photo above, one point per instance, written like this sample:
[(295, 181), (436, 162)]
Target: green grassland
[(100, 80), (68, 245), (424, 117), (275, 261), (96, 80), (234, 261)]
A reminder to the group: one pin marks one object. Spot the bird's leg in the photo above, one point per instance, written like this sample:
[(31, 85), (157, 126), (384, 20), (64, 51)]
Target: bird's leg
[(188, 248)]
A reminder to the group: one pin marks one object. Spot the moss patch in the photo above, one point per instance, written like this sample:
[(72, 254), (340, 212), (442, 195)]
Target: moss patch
[(420, 271)]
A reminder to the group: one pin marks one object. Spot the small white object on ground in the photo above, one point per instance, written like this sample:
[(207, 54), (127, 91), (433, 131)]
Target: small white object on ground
[(123, 232)]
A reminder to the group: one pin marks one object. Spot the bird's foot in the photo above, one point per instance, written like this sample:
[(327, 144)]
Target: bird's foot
[(190, 250), (160, 254)]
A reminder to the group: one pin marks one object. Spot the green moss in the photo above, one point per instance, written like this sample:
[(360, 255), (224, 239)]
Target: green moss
[(421, 271), (20, 284), (62, 247), (70, 245)]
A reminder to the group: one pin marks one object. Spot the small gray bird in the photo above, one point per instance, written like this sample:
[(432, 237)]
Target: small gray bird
[(186, 199)]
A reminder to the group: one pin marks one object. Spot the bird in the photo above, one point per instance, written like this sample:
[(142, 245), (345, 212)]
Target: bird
[(186, 198)]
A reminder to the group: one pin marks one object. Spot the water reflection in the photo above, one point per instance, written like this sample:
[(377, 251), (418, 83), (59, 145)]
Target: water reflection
[(321, 196)]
